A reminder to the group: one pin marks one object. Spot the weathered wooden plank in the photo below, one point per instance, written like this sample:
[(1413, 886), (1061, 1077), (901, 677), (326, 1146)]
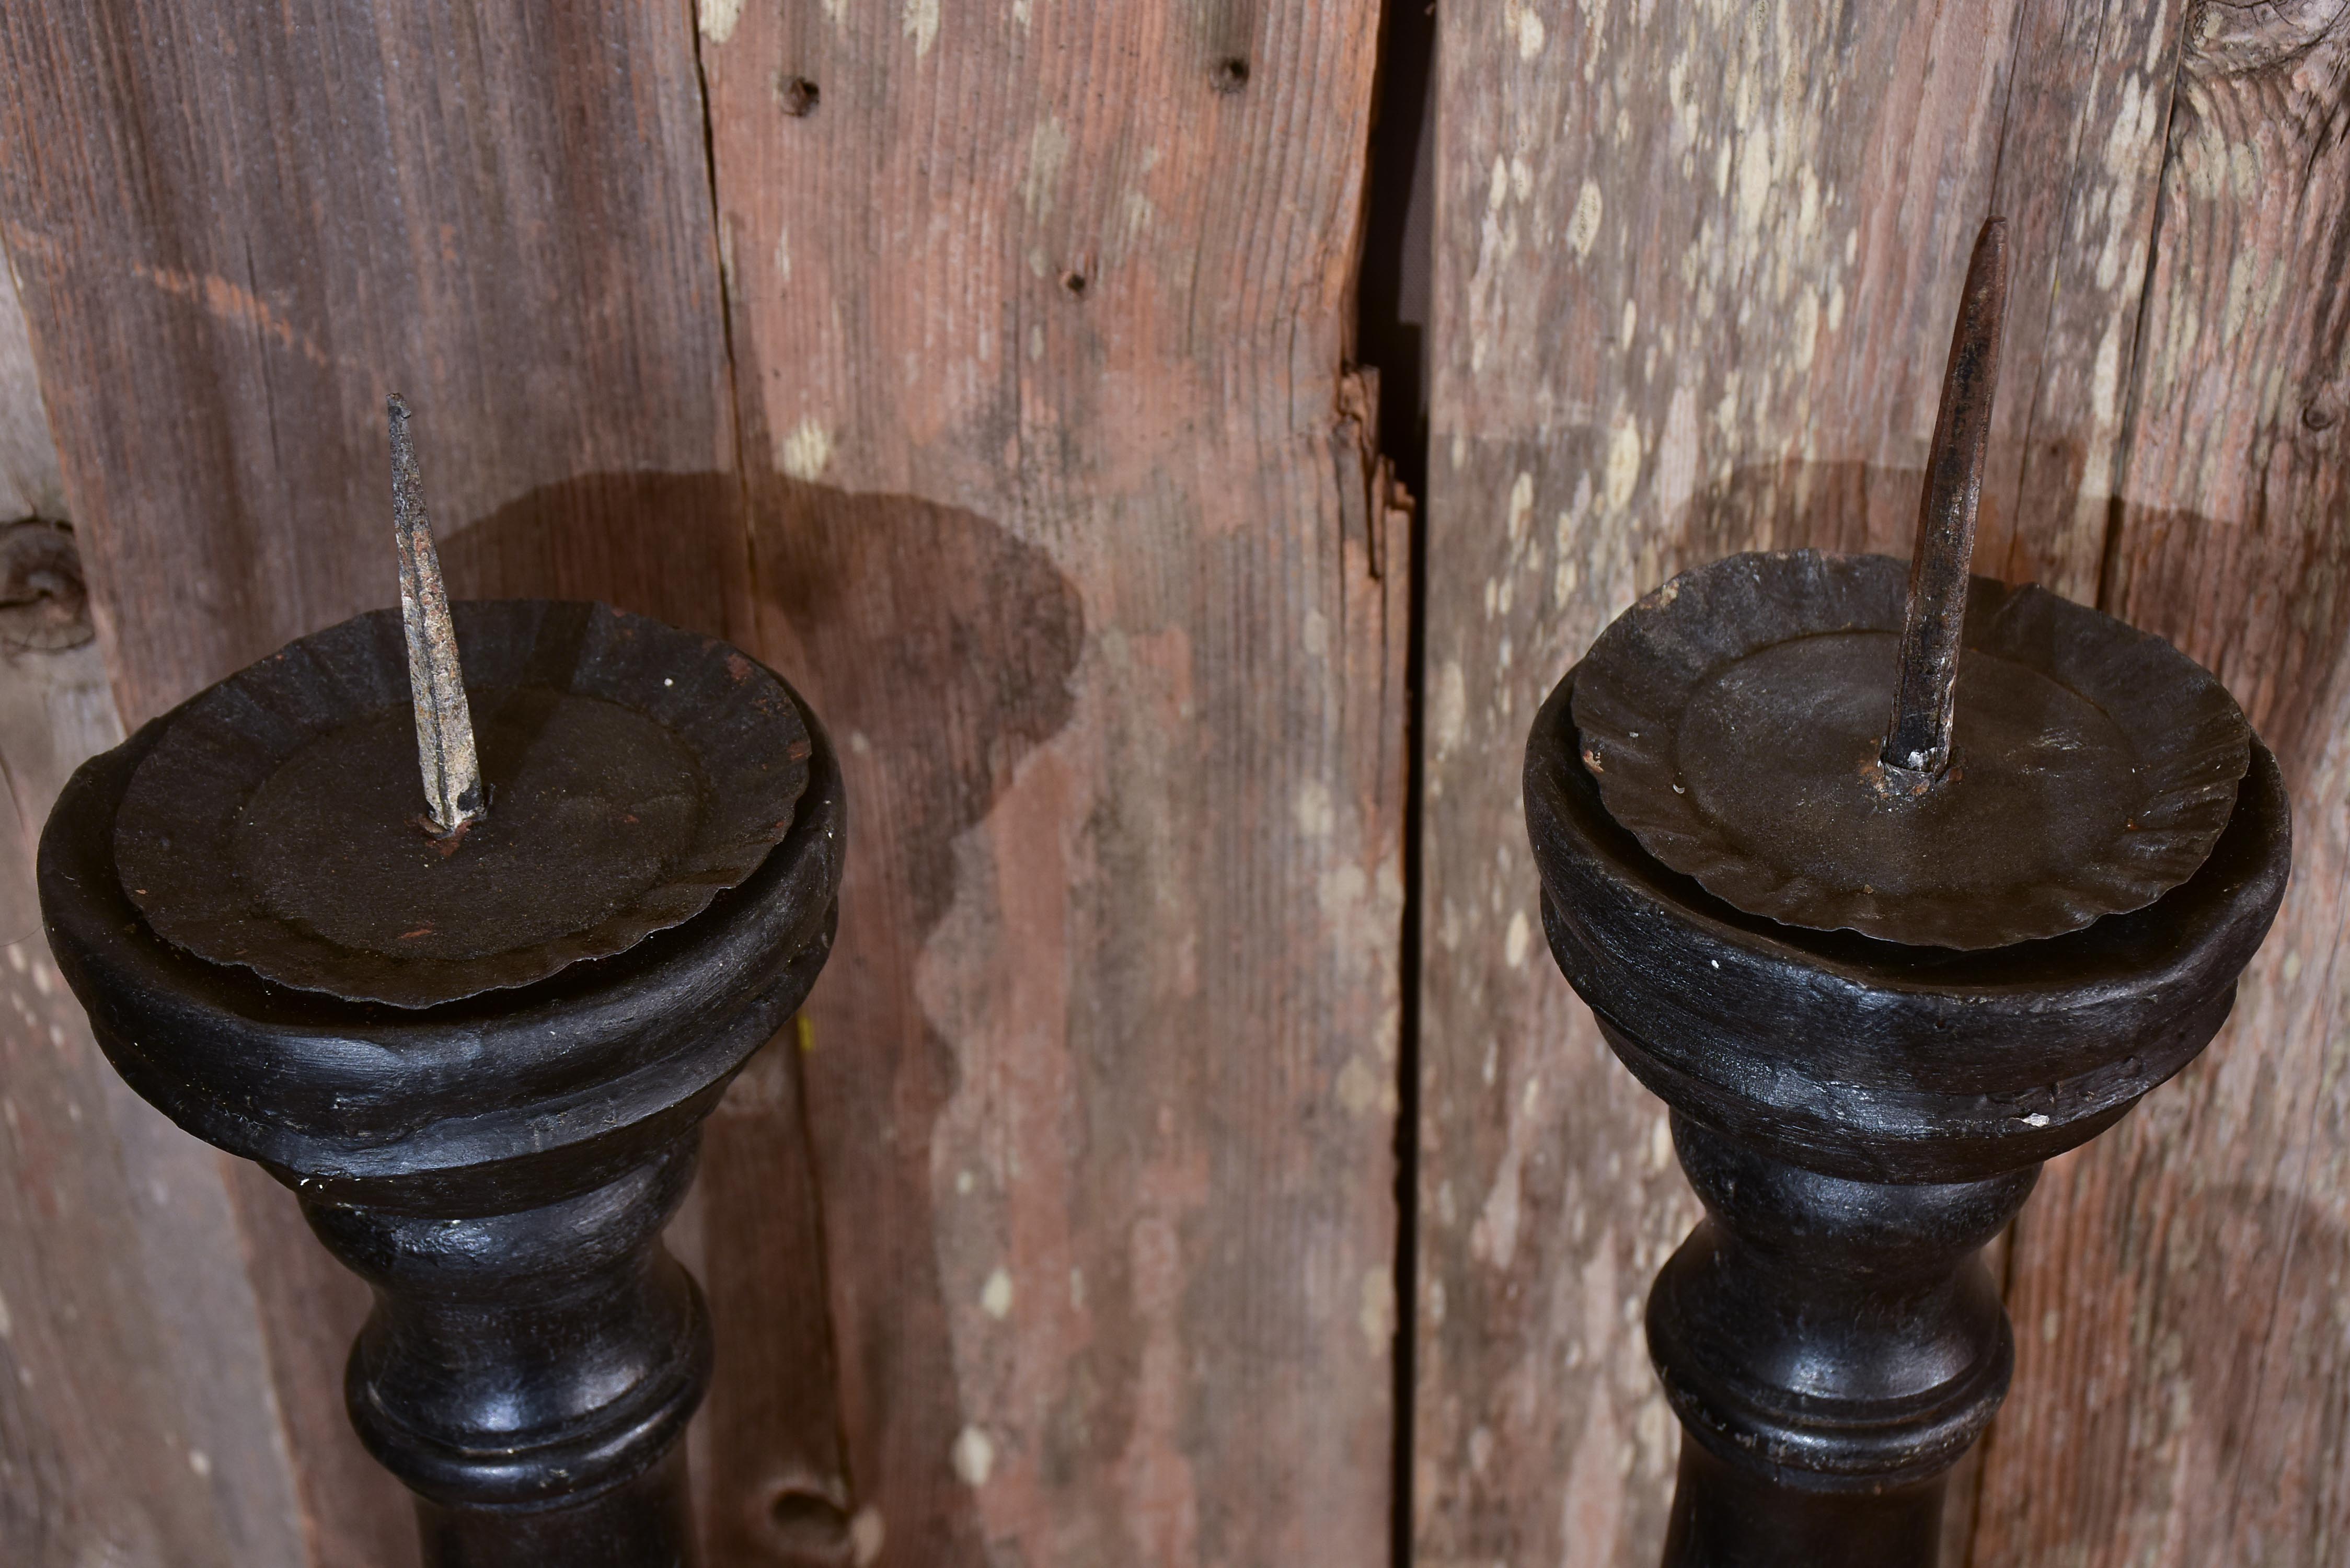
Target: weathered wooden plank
[(137, 1424), (1695, 276), (30, 485), (236, 229), (1695, 269), (1062, 514), (2180, 1288)]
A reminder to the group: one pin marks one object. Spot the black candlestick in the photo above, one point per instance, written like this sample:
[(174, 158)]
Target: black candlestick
[(478, 1045), (1881, 979)]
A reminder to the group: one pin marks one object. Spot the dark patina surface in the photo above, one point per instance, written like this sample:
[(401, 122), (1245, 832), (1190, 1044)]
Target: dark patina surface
[(1733, 719), (635, 771)]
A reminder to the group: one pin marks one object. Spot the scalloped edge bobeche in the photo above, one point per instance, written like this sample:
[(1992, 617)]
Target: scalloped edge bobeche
[(2192, 740), (176, 824)]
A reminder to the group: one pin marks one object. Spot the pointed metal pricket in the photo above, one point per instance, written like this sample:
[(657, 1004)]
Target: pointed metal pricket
[(1918, 743), (444, 726)]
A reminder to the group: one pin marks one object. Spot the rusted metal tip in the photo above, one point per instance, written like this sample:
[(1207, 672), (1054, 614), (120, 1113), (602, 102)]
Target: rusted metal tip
[(1917, 749), (436, 683)]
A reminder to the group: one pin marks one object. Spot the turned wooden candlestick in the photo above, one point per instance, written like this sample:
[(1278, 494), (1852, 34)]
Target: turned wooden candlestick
[(1881, 969), (477, 1038), (498, 1168)]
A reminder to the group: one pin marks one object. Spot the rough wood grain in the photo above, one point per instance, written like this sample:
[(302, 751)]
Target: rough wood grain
[(1062, 512), (1696, 269), (137, 1424), (30, 485), (236, 229), (2183, 1375)]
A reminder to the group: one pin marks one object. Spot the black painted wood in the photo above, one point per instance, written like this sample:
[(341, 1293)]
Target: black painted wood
[(498, 1169), (1859, 1119)]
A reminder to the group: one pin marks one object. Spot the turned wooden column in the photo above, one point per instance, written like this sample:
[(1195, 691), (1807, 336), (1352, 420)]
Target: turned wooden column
[(498, 1168), (1859, 1117)]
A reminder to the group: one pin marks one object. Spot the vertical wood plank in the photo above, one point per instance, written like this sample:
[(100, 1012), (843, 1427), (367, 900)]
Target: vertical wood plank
[(137, 1424), (1707, 317), (2183, 1373), (30, 485), (1695, 273), (1062, 512), (236, 230)]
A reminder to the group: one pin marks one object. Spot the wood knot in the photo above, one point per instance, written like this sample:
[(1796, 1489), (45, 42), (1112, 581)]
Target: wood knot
[(1230, 74), (43, 604)]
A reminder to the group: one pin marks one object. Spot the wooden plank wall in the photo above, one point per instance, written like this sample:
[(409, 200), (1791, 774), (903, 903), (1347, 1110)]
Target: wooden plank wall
[(1695, 273), (987, 370), (1054, 491)]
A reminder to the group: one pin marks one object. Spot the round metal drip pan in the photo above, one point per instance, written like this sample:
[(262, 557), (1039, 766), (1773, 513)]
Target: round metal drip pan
[(1733, 721), (636, 772)]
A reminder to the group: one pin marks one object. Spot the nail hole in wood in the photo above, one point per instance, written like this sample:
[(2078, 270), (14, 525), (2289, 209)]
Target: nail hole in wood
[(797, 95), (1076, 284), (1230, 74)]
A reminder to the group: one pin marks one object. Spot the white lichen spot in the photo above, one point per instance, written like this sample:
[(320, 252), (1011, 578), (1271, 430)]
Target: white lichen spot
[(1623, 470), (1357, 1086), (201, 1462), (781, 260), (1521, 20), (1452, 714), (838, 10), (1661, 1143), (1317, 817), (1836, 307), (995, 1296), (1497, 189), (922, 25), (806, 451), (7, 1320), (1035, 343), (1753, 180), (1316, 634), (866, 1534), (964, 1182), (1522, 505), (717, 18), (975, 1457), (1481, 1450), (1583, 229), (1518, 941), (1077, 1289), (1020, 13), (1806, 335), (2104, 378), (1631, 322), (1522, 178), (1048, 151), (1378, 1314)]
